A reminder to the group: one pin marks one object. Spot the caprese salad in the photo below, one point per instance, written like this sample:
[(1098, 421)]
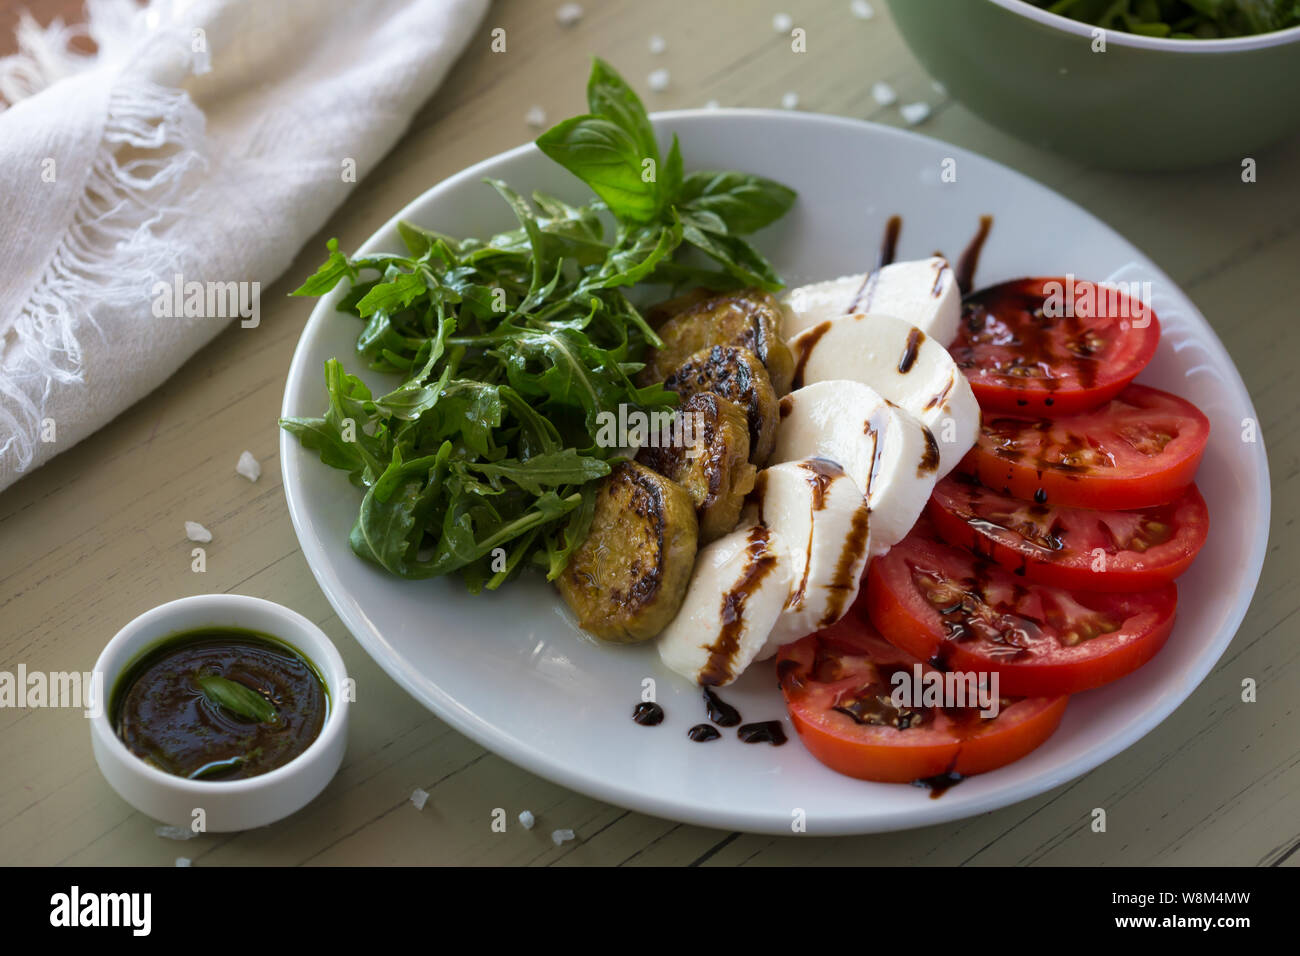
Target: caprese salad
[(1008, 511), (880, 478)]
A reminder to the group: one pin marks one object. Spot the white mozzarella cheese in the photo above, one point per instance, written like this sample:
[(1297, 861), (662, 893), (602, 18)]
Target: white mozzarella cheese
[(821, 516), (810, 305), (737, 591), (887, 452), (904, 365), (921, 292)]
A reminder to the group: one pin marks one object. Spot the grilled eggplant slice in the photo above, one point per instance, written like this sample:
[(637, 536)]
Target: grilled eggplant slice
[(735, 374), (711, 461), (626, 581), (661, 312), (749, 319)]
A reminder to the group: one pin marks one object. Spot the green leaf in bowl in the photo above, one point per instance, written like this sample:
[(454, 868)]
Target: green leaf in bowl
[(238, 698)]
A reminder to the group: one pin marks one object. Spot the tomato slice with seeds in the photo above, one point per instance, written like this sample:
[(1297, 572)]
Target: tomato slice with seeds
[(965, 613), (1073, 547), (1052, 346), (839, 690), (1141, 448)]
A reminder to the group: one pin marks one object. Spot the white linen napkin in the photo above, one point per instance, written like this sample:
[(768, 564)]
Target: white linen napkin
[(179, 170)]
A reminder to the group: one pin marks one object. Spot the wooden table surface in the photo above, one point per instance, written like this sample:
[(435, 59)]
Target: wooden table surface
[(94, 538)]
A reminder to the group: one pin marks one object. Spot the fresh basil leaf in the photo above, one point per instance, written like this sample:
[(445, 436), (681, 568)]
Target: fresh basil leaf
[(744, 203), (608, 95), (239, 699), (670, 176), (735, 255), (608, 159)]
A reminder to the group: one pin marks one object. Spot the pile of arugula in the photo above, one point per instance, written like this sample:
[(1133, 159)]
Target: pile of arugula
[(483, 460)]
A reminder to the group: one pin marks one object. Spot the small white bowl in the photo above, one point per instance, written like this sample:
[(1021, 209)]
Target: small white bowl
[(235, 804)]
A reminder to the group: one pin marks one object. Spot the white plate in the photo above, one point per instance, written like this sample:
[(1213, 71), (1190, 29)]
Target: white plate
[(510, 671)]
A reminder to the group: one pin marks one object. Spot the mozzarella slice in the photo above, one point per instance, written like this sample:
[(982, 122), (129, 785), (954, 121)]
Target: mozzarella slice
[(738, 588), (822, 517), (883, 448), (922, 293), (905, 366)]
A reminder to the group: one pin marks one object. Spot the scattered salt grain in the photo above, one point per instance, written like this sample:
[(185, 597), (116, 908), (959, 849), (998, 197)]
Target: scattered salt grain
[(783, 23), (914, 113), (175, 833), (884, 94), (419, 798), (658, 80), (712, 105), (657, 44), (862, 10), (568, 14), (790, 101), (248, 466), (939, 88), (183, 861), (561, 836), (526, 820), (535, 117), (196, 532)]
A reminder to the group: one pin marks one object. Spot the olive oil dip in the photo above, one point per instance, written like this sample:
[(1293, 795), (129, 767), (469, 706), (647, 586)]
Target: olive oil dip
[(219, 704)]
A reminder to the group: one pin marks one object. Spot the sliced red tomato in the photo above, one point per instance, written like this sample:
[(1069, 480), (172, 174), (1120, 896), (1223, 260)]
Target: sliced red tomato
[(1139, 449), (1052, 346), (839, 688), (1073, 547), (962, 612)]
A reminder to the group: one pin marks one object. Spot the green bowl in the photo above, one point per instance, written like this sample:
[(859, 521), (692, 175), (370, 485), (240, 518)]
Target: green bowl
[(1145, 103)]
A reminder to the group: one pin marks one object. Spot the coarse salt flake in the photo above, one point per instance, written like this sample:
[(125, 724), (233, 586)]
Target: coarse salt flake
[(183, 861), (862, 10), (712, 105), (248, 466), (657, 44), (884, 94), (196, 532), (915, 113), (535, 117), (419, 798), (561, 836), (568, 14), (790, 100), (658, 80), (526, 820), (174, 833), (782, 23)]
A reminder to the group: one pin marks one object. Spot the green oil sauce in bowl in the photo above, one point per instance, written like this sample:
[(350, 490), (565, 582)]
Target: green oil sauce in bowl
[(219, 704)]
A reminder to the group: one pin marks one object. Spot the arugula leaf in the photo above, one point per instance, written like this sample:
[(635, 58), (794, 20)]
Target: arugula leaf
[(552, 470), (332, 271)]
